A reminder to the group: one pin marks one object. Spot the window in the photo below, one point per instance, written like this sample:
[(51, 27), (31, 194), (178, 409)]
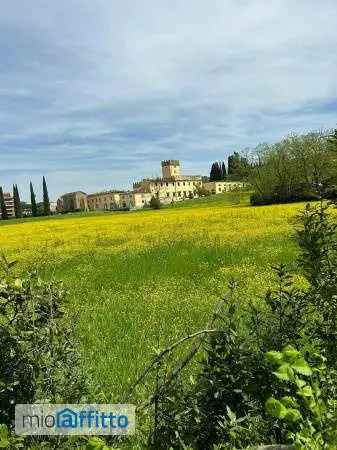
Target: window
[(166, 184), (167, 194)]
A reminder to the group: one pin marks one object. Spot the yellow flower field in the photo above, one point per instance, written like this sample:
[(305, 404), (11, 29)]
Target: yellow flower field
[(143, 279)]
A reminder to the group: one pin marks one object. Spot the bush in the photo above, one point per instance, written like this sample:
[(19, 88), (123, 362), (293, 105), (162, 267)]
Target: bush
[(269, 199), (38, 352), (203, 192), (155, 203), (225, 404), (307, 407)]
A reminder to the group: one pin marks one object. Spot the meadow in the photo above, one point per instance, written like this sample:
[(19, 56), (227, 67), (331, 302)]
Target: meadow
[(141, 280)]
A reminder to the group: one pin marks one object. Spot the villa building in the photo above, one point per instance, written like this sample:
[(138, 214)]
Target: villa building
[(112, 200), (217, 187), (72, 201), (172, 186), (9, 202), (104, 200)]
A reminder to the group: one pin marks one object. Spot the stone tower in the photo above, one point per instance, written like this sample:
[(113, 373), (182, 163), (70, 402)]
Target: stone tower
[(170, 168)]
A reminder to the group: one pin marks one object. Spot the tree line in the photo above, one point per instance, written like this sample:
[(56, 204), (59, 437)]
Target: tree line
[(298, 167), (35, 208), (238, 168)]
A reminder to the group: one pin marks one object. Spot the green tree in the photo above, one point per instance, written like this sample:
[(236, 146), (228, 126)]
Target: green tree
[(238, 167), (46, 203), (17, 202), (216, 173), (223, 171), (33, 200), (212, 174), (296, 168), (3, 209), (155, 203)]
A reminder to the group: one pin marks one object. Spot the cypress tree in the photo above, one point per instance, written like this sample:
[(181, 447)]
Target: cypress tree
[(230, 165), (33, 200), (212, 173), (3, 209), (17, 202), (46, 203), (224, 172), (218, 171)]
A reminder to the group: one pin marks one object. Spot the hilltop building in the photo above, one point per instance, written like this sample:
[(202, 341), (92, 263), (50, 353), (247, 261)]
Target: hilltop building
[(9, 202), (172, 186)]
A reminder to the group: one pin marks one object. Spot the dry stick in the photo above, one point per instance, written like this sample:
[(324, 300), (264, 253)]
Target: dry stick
[(183, 362), (161, 355)]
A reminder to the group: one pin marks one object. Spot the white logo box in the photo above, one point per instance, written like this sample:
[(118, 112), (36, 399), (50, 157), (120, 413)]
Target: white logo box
[(74, 419)]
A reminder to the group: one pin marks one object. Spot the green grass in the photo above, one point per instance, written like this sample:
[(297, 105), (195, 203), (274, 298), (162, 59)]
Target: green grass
[(144, 279)]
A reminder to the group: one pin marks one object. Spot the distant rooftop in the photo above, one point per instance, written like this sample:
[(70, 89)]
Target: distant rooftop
[(106, 192), (73, 193)]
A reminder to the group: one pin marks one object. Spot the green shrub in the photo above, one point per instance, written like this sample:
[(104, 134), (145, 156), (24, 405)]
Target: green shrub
[(155, 203), (224, 405), (308, 406), (38, 352)]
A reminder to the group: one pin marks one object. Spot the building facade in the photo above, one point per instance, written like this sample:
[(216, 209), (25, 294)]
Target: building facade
[(217, 187), (105, 200), (172, 186), (114, 200), (9, 202), (72, 201)]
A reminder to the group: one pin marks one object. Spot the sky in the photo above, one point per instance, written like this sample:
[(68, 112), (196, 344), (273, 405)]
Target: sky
[(95, 93)]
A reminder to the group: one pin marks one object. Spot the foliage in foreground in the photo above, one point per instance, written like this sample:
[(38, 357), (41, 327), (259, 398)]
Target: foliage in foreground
[(38, 351), (238, 400)]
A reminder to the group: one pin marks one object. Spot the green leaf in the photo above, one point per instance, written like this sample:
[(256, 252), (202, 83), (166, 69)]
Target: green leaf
[(231, 414), (302, 367), (18, 283), (274, 357), (300, 383), (4, 443), (306, 391), (289, 402), (282, 372), (3, 431), (292, 415), (275, 408), (290, 354)]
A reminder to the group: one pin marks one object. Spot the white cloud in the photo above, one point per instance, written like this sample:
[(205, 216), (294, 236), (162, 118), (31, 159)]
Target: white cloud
[(90, 86)]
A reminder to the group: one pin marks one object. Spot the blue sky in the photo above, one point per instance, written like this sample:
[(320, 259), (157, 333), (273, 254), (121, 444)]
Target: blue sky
[(94, 94)]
